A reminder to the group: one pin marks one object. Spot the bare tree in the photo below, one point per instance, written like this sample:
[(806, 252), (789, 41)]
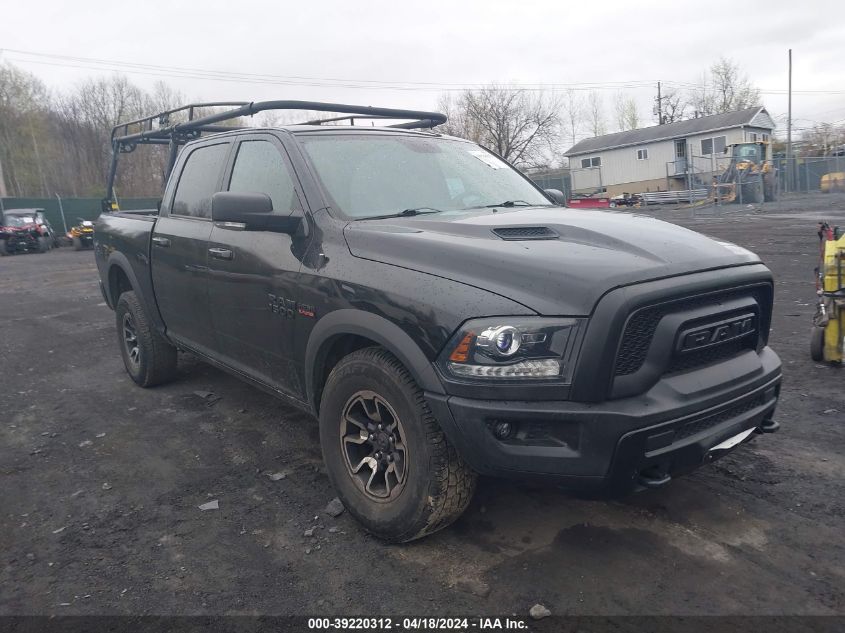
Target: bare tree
[(573, 113), (520, 126), (595, 114), (724, 88), (626, 111), (674, 106), (23, 107), (823, 139)]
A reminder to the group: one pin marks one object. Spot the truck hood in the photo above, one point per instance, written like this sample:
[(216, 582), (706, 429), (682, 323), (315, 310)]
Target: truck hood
[(582, 256)]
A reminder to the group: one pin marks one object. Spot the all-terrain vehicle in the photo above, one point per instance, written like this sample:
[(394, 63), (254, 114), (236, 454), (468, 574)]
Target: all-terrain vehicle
[(21, 232), (82, 235), (826, 343)]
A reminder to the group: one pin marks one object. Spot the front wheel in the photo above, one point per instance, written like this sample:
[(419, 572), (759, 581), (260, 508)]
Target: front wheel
[(817, 343), (4, 248), (77, 244), (385, 454), (147, 356)]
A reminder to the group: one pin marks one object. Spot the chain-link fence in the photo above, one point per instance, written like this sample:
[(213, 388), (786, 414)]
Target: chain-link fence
[(815, 174), (552, 179)]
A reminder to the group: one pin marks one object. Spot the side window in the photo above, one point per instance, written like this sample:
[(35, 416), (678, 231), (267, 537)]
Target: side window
[(198, 181), (259, 168)]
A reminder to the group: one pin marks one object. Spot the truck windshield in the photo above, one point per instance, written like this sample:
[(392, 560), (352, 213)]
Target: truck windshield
[(19, 220), (369, 176)]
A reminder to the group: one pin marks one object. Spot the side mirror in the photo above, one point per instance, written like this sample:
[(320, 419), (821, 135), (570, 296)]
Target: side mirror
[(556, 196), (253, 210)]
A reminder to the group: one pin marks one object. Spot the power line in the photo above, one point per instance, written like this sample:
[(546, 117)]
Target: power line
[(221, 75)]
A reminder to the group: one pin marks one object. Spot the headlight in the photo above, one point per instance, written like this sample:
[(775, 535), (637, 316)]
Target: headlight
[(514, 349)]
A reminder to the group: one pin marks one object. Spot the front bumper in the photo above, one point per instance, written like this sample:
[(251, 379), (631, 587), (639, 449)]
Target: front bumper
[(615, 446)]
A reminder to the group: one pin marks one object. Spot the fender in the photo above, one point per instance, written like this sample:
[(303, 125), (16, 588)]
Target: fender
[(118, 259), (374, 327)]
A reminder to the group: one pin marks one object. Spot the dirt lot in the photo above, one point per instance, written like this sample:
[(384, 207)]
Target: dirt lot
[(100, 482)]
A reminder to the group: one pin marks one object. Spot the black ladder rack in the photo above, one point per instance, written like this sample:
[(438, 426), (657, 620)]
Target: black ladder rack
[(156, 129)]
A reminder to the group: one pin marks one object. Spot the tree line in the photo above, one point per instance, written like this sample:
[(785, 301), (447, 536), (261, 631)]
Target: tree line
[(59, 142)]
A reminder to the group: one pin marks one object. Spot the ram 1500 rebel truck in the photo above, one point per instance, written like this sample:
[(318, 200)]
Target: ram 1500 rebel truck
[(440, 315)]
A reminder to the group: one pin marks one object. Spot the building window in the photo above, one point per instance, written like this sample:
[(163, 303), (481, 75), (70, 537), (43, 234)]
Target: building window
[(752, 136), (714, 145), (642, 154), (595, 161), (765, 138)]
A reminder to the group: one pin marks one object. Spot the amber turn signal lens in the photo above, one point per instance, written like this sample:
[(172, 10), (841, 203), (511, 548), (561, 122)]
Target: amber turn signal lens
[(461, 352)]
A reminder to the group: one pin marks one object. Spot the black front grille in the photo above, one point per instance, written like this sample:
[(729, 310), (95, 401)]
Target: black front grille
[(714, 354), (637, 339), (703, 424), (640, 328), (526, 233)]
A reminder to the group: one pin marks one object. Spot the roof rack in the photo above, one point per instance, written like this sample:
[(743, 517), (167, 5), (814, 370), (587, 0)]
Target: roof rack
[(157, 129)]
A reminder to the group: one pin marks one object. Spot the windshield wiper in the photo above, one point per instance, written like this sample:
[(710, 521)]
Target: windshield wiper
[(406, 213), (506, 204)]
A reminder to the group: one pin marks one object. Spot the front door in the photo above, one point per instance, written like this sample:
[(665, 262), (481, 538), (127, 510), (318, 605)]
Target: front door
[(253, 274), (680, 156), (180, 243)]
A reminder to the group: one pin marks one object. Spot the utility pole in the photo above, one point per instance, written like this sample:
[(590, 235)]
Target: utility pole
[(789, 165), (659, 106)]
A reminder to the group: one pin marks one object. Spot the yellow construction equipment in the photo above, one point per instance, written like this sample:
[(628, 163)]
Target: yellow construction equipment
[(826, 339), (834, 181), (750, 177)]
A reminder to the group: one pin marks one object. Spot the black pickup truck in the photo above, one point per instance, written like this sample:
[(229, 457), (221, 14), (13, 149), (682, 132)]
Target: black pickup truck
[(438, 313)]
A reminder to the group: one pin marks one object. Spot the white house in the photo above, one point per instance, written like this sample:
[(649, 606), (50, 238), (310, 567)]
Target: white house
[(673, 156)]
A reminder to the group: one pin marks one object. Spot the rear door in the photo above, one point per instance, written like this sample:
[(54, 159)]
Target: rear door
[(180, 245), (253, 274)]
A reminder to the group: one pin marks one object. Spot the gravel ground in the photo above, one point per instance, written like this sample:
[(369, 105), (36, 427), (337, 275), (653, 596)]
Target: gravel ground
[(100, 483)]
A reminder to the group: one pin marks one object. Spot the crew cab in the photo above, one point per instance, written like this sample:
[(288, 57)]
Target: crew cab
[(439, 314)]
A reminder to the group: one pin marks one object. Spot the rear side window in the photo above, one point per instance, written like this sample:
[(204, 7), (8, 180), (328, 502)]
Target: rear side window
[(260, 168), (198, 181)]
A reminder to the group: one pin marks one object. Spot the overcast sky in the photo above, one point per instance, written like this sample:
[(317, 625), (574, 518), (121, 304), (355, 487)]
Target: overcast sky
[(404, 54)]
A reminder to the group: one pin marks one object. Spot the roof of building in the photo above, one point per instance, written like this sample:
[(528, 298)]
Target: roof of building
[(756, 116)]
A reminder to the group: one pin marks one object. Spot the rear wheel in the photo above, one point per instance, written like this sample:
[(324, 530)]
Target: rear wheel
[(751, 193), (770, 190), (147, 356), (386, 455), (817, 343)]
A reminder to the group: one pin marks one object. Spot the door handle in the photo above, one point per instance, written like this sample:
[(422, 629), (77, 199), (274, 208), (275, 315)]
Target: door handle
[(161, 241), (221, 253)]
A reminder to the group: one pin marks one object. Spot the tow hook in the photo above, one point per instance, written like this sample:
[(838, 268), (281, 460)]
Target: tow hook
[(654, 477), (768, 426)]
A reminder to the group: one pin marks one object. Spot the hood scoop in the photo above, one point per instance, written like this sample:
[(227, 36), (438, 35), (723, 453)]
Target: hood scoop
[(525, 233)]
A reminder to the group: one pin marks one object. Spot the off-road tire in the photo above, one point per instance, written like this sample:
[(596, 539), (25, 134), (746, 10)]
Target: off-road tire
[(770, 191), (4, 248), (817, 344), (438, 485), (77, 244), (751, 193), (43, 245), (156, 357)]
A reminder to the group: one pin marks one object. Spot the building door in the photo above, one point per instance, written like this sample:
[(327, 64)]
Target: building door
[(680, 156)]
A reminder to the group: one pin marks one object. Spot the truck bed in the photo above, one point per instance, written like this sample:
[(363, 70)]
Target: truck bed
[(126, 235)]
